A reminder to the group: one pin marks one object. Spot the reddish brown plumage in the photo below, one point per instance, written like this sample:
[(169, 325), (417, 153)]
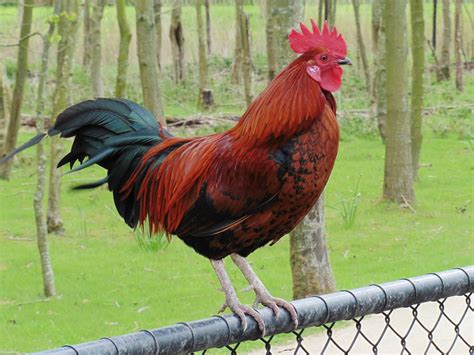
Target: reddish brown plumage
[(238, 190)]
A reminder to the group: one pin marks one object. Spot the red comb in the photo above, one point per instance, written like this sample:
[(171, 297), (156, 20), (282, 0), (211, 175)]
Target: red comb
[(307, 40)]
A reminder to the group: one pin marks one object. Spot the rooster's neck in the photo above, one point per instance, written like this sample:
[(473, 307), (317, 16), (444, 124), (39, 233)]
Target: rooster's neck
[(290, 104)]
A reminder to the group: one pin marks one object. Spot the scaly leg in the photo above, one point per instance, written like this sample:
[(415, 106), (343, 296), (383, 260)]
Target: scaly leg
[(263, 296), (231, 299)]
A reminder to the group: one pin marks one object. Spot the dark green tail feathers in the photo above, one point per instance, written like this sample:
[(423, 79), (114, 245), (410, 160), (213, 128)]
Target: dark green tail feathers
[(113, 133)]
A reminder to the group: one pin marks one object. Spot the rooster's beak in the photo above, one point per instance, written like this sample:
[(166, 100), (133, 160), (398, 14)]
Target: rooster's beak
[(344, 61)]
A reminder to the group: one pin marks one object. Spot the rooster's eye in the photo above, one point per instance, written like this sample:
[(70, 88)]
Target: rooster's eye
[(323, 57)]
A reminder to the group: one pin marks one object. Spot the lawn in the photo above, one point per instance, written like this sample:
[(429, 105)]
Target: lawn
[(109, 285)]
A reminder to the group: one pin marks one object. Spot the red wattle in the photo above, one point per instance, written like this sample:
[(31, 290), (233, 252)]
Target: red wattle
[(331, 79)]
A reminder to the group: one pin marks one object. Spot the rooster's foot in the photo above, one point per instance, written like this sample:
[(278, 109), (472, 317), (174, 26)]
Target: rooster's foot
[(232, 302), (263, 296)]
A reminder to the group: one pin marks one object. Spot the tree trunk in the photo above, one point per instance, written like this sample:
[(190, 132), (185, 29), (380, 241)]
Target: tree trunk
[(310, 267), (208, 27), (125, 38), (360, 44), (320, 13), (238, 51), (270, 40), (158, 36), (458, 45), (433, 34), (380, 68), (398, 178), (205, 100), (87, 49), (332, 12), (147, 58), (49, 288), (285, 15), (3, 112), (247, 63), (96, 55), (418, 68), (444, 60), (20, 77), (177, 42), (67, 30)]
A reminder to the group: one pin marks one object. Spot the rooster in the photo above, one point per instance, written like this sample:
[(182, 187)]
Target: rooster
[(225, 194)]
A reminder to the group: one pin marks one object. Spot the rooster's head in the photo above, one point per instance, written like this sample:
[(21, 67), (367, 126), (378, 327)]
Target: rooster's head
[(324, 53)]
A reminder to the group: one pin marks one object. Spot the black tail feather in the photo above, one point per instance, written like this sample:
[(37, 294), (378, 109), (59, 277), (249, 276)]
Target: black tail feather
[(33, 141)]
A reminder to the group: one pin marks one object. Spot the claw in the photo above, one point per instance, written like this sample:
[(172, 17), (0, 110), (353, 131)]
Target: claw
[(241, 311), (222, 309)]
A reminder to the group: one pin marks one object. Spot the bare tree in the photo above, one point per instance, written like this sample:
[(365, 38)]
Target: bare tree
[(361, 46), (444, 59), (418, 68), (378, 40), (320, 12), (458, 44), (247, 57), (96, 54), (147, 57), (398, 177), (205, 100), (20, 77), (332, 11), (433, 34), (270, 41), (208, 27), (87, 49), (158, 36), (238, 51), (3, 111), (49, 288), (67, 30), (285, 14), (177, 42), (125, 38)]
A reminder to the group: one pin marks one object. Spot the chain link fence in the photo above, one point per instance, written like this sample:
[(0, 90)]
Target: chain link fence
[(430, 314)]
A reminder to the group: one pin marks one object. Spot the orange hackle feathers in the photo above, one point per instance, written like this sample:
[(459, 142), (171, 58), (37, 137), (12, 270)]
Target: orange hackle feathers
[(289, 104), (307, 41)]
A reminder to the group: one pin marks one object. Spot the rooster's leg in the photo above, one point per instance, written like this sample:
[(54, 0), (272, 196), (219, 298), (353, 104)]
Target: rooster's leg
[(263, 296), (231, 299)]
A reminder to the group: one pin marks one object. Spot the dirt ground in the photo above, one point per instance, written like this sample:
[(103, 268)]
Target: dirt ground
[(417, 341)]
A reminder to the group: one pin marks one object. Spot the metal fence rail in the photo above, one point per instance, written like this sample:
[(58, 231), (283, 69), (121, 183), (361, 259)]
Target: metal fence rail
[(386, 300)]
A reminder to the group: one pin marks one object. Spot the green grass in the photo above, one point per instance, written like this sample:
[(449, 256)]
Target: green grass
[(109, 285)]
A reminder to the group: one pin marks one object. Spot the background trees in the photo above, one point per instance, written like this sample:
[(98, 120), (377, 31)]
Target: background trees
[(20, 77), (125, 38), (147, 57), (96, 47), (398, 178), (177, 42), (67, 30)]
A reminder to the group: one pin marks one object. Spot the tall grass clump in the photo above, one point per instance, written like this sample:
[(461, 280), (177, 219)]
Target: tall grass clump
[(347, 207)]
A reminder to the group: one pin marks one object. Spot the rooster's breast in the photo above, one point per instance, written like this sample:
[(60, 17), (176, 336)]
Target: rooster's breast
[(306, 160)]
